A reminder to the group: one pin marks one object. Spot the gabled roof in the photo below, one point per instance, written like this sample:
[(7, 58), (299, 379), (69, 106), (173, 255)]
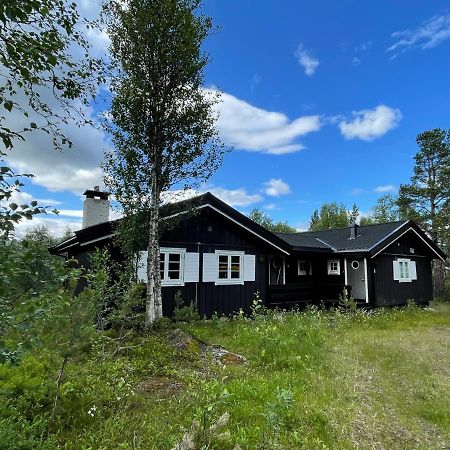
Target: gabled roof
[(338, 239), (106, 230), (304, 241), (369, 239)]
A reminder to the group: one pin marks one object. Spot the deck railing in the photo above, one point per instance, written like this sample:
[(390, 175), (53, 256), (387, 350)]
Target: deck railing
[(305, 293)]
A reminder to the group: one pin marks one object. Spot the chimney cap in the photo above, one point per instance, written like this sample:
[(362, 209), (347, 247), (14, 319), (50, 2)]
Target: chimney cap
[(96, 193)]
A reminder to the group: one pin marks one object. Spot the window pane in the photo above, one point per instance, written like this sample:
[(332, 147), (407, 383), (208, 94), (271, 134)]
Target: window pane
[(174, 266), (223, 259), (402, 269), (174, 257), (406, 269), (223, 274), (161, 265), (223, 266), (174, 274)]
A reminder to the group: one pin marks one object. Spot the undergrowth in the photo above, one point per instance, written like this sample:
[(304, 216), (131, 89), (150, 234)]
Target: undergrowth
[(313, 380)]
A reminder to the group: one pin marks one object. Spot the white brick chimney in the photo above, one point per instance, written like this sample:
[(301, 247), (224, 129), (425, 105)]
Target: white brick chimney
[(95, 207)]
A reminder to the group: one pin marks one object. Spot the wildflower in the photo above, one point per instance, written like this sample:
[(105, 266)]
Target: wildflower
[(92, 410)]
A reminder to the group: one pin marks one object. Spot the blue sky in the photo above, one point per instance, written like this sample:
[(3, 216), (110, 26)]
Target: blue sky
[(322, 100)]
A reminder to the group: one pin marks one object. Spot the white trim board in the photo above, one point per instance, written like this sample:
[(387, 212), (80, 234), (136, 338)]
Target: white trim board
[(398, 237), (98, 239), (243, 226), (230, 218), (366, 280)]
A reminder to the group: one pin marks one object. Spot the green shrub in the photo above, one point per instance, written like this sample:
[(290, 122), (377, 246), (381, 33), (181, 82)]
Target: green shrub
[(182, 312)]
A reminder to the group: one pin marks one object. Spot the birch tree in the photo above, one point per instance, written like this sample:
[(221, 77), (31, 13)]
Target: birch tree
[(161, 120)]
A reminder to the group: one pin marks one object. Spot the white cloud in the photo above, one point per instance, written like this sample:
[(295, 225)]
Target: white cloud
[(233, 197), (71, 212), (247, 127), (369, 124), (72, 169), (356, 61), (356, 191), (428, 35), (385, 188), (276, 187), (57, 227), (308, 62)]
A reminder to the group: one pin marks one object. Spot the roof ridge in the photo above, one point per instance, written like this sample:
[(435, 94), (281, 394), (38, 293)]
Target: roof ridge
[(344, 228)]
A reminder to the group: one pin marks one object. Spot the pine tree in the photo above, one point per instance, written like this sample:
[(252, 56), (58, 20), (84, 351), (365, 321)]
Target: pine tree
[(426, 199)]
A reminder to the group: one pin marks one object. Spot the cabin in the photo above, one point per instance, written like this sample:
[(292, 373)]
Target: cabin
[(218, 259)]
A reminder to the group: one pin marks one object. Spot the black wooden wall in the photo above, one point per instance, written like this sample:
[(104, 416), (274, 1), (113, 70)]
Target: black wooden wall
[(389, 292), (207, 232)]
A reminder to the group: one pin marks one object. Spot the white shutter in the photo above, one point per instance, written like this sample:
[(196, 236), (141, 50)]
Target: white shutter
[(396, 270), (249, 267), (413, 270), (142, 266), (210, 267), (191, 267)]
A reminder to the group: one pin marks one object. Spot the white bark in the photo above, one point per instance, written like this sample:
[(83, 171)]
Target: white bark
[(153, 307)]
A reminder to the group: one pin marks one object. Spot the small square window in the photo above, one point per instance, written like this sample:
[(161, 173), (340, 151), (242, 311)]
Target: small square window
[(171, 266), (303, 267), (334, 267), (229, 268)]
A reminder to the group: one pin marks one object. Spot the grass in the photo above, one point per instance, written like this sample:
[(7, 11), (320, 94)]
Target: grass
[(312, 380)]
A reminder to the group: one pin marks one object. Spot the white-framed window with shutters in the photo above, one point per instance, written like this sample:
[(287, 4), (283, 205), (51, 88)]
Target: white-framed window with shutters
[(172, 266), (334, 267), (229, 267), (177, 266), (405, 270)]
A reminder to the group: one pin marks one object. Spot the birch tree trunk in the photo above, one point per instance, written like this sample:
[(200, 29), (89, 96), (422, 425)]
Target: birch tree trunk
[(153, 307)]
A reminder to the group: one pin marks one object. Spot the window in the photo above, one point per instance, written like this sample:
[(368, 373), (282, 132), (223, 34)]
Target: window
[(404, 270), (303, 267), (172, 266), (334, 267), (355, 264), (229, 268)]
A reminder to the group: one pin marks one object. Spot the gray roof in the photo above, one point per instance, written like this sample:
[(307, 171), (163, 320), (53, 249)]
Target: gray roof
[(303, 240), (338, 239)]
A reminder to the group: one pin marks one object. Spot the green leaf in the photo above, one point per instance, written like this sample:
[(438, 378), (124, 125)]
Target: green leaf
[(8, 105), (13, 206)]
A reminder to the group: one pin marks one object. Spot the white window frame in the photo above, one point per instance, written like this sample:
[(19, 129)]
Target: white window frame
[(229, 254), (165, 252), (407, 263), (302, 272), (334, 271)]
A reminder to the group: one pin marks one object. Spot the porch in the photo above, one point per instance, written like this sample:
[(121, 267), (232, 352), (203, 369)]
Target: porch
[(305, 293)]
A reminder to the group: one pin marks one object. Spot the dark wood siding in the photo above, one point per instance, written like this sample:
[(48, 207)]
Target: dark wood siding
[(206, 233), (314, 287), (389, 292)]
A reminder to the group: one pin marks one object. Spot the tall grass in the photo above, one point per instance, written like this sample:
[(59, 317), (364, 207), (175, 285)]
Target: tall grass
[(314, 380)]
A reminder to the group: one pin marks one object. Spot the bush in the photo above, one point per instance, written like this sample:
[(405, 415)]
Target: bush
[(183, 313)]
